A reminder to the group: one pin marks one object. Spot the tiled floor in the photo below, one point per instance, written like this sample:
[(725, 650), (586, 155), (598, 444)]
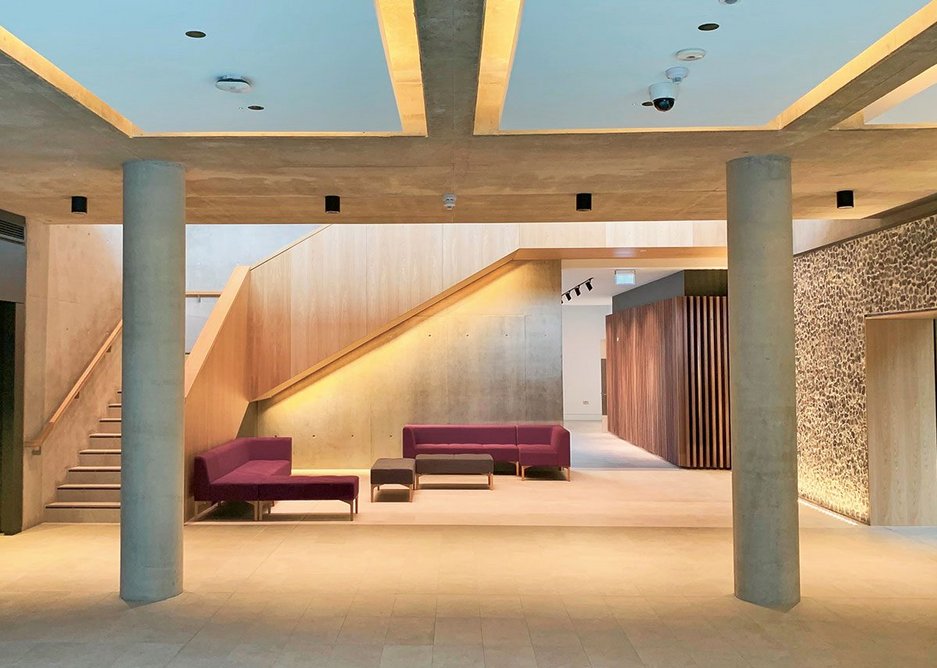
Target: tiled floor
[(350, 595), (480, 586)]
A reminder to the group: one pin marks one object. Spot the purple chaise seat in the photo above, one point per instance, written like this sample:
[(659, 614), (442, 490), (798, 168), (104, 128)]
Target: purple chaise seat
[(258, 470), (543, 445), (523, 445)]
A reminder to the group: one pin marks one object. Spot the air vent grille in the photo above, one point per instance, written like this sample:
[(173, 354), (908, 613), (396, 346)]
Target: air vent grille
[(12, 231)]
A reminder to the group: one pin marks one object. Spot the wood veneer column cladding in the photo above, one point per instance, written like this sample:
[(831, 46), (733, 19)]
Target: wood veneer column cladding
[(667, 380)]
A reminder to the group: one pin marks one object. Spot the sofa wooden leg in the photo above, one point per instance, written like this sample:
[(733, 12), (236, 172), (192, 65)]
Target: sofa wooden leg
[(410, 487), (491, 481), (257, 510), (373, 487), (351, 511), (569, 474), (517, 469)]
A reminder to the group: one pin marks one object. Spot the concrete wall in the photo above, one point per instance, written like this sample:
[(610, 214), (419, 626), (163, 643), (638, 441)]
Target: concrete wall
[(490, 353), (583, 332), (213, 251)]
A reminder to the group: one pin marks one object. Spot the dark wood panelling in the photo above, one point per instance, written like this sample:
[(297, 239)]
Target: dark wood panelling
[(668, 380)]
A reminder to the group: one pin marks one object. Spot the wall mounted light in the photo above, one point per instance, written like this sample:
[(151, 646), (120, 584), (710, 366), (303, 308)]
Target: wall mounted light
[(583, 201), (333, 204), (845, 199), (79, 204)]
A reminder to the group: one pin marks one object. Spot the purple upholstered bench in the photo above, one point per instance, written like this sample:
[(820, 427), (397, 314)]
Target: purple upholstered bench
[(258, 470)]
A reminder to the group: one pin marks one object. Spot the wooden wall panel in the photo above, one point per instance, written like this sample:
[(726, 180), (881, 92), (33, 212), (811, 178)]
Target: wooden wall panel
[(217, 379), (902, 419), (667, 379)]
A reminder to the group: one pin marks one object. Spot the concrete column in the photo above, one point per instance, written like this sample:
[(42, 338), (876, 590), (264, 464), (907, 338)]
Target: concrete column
[(151, 510), (761, 387)]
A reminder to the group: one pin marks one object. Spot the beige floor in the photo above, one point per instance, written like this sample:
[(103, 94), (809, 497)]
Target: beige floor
[(456, 579)]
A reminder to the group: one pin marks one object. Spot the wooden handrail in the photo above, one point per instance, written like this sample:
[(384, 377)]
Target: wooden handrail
[(36, 443), (199, 294)]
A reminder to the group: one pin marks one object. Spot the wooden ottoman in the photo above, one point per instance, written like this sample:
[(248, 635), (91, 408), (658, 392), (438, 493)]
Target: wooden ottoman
[(393, 471), (455, 465)]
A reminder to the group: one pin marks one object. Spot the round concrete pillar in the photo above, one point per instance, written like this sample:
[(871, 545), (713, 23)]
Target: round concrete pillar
[(151, 509), (761, 381)]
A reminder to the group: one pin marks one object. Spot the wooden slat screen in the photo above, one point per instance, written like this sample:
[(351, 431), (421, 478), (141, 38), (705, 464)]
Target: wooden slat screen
[(668, 380)]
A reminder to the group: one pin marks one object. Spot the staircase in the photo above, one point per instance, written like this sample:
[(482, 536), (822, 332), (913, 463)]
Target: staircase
[(91, 491)]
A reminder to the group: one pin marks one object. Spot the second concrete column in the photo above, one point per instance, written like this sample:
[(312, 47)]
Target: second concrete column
[(151, 512), (761, 377)]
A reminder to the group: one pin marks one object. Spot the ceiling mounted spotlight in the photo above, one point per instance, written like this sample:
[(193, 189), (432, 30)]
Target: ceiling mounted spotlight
[(79, 204), (583, 201), (577, 291), (568, 296), (845, 199), (333, 204), (194, 34), (232, 84), (589, 285), (255, 107), (708, 27), (448, 201)]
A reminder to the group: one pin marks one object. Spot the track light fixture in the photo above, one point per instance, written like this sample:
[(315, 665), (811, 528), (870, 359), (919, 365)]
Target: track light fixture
[(333, 204), (577, 289), (583, 201), (845, 199), (79, 204)]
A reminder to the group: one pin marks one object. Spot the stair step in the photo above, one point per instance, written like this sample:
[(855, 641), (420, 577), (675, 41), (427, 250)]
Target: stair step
[(83, 511), (99, 457), (109, 425), (83, 504), (115, 405), (93, 474), (78, 492), (104, 434)]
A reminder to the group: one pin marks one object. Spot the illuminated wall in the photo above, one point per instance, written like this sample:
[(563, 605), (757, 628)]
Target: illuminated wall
[(490, 353), (835, 288)]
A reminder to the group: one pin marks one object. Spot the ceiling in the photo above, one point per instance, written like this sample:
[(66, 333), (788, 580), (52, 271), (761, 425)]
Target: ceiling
[(603, 283), (315, 66), (588, 64), (53, 145)]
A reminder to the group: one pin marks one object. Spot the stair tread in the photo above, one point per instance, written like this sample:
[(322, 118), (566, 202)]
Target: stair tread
[(90, 485), (116, 405), (84, 504), (100, 451), (80, 469), (104, 434), (109, 419)]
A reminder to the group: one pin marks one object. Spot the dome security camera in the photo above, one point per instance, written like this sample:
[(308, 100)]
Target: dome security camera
[(448, 201), (664, 94)]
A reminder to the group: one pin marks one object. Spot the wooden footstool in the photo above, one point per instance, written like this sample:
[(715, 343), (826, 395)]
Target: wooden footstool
[(455, 465), (391, 471)]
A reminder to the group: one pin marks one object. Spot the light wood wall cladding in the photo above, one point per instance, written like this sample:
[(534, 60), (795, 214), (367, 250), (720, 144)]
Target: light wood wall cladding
[(490, 352), (902, 419), (667, 380), (217, 388), (344, 284)]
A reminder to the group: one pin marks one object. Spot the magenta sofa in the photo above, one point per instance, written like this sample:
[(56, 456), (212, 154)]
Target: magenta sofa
[(523, 445), (258, 470)]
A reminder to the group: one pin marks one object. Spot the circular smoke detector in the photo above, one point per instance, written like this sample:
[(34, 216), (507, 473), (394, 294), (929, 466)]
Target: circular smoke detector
[(233, 84), (690, 55)]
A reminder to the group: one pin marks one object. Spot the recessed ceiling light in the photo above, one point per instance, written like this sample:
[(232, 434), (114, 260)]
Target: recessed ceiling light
[(845, 199), (233, 84), (690, 55), (333, 204), (708, 27), (583, 201), (194, 34), (79, 204), (255, 107)]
